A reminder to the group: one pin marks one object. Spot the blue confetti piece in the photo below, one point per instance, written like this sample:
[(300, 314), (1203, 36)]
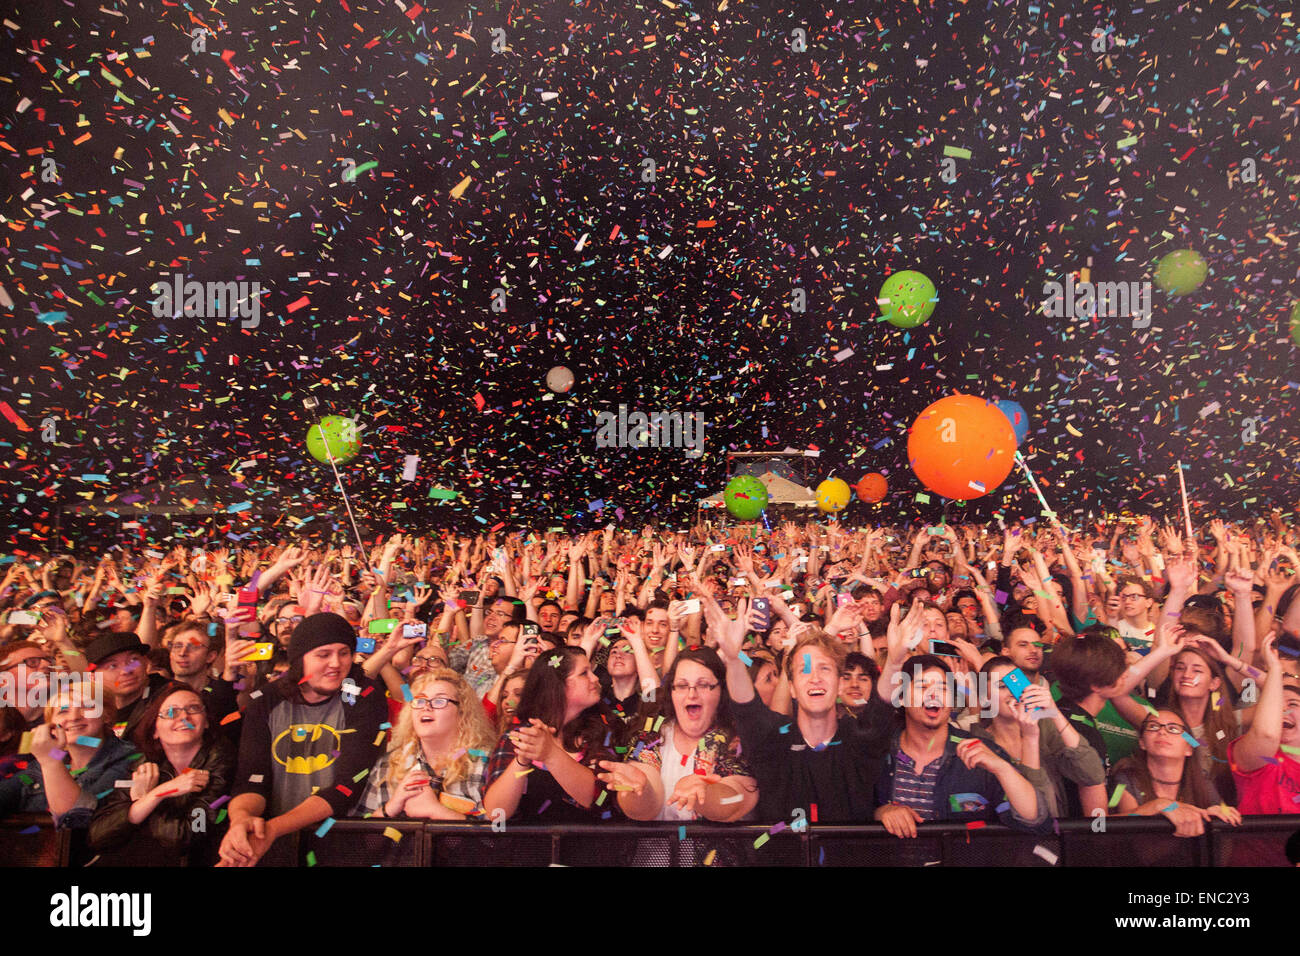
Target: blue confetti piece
[(784, 730), (84, 741), (681, 833), (1192, 741), (324, 828), (807, 663), (30, 830), (406, 693), (1002, 807), (744, 658)]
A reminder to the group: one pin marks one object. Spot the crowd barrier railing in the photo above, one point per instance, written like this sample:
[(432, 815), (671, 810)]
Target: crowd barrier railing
[(31, 840)]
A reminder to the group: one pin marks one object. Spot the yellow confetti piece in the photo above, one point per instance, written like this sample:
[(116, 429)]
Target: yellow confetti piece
[(25, 744), (460, 188), (226, 117), (393, 834), (708, 860), (379, 738), (1073, 431), (523, 773)]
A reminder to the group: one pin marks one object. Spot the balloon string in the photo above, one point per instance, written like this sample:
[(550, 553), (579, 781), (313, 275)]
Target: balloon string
[(346, 504)]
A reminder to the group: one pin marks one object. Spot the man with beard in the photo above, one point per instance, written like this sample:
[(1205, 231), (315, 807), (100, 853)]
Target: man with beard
[(308, 739)]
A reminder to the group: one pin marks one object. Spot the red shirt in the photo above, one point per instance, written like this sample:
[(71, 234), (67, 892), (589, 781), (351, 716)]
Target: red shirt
[(1272, 788)]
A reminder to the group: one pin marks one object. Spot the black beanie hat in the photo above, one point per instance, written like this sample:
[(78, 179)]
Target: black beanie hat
[(318, 631)]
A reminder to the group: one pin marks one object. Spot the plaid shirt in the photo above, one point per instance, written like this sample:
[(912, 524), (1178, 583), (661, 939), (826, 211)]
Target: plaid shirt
[(378, 792)]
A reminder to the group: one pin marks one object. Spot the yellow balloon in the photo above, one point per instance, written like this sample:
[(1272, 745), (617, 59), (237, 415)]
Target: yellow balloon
[(833, 495)]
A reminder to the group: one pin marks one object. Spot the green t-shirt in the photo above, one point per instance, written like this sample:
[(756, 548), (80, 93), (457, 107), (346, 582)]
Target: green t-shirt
[(1116, 732)]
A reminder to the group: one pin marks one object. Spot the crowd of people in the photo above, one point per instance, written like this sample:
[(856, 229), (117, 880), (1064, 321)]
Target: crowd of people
[(208, 702)]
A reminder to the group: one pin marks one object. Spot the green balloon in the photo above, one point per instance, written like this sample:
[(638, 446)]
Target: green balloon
[(907, 299), (746, 497), (1181, 272), (338, 434), (1295, 322)]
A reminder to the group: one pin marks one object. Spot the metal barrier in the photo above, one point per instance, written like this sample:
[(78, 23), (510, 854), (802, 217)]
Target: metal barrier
[(31, 840)]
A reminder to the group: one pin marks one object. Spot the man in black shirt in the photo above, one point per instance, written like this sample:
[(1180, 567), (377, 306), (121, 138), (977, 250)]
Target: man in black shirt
[(819, 763)]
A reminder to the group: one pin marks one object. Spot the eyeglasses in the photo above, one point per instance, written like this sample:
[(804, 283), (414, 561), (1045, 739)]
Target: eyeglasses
[(1173, 729), (702, 687), (33, 663), (190, 710), (429, 661), (1133, 596), (280, 621), (437, 703)]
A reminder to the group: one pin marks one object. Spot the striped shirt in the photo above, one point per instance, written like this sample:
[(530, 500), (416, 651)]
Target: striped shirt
[(916, 790)]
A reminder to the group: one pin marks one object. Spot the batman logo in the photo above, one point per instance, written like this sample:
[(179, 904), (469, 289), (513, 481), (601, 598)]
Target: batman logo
[(307, 748)]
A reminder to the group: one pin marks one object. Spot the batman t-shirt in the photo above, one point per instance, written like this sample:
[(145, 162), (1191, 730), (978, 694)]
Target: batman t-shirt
[(290, 749)]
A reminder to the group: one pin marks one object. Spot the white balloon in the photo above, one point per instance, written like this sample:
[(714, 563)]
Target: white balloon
[(559, 379)]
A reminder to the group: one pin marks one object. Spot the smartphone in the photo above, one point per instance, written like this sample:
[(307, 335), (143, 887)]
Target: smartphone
[(529, 629), (247, 597), (260, 652), (23, 617), (763, 607), (384, 626), (944, 649), (469, 597), (365, 645), (691, 607), (844, 599), (614, 627), (415, 629), (918, 572), (1016, 682)]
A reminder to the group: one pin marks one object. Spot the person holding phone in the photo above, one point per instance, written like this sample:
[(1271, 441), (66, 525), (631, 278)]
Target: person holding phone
[(544, 767), (434, 767), (1040, 742), (187, 765)]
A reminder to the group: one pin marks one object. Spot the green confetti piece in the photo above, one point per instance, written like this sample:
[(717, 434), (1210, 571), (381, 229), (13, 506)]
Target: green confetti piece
[(1126, 143), (1115, 797), (350, 175), (762, 838), (956, 151), (221, 815), (311, 857)]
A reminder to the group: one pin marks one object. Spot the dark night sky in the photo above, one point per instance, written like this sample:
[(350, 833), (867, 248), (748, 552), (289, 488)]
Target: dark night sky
[(819, 169)]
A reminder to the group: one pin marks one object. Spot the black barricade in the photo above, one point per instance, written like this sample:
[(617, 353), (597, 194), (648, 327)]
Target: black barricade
[(31, 840)]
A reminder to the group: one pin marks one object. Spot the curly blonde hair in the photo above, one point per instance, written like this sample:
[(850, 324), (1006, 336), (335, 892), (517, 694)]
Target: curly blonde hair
[(473, 730)]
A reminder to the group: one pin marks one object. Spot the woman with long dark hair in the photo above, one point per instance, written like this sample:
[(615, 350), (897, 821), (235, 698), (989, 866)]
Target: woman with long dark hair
[(1162, 777), (690, 768), (187, 765), (544, 766)]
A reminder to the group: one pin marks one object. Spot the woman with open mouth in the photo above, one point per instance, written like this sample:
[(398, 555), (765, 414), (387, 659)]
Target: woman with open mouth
[(690, 768), (434, 768)]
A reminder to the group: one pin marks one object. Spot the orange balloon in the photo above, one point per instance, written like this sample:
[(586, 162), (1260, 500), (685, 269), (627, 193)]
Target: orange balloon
[(872, 488), (961, 447)]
